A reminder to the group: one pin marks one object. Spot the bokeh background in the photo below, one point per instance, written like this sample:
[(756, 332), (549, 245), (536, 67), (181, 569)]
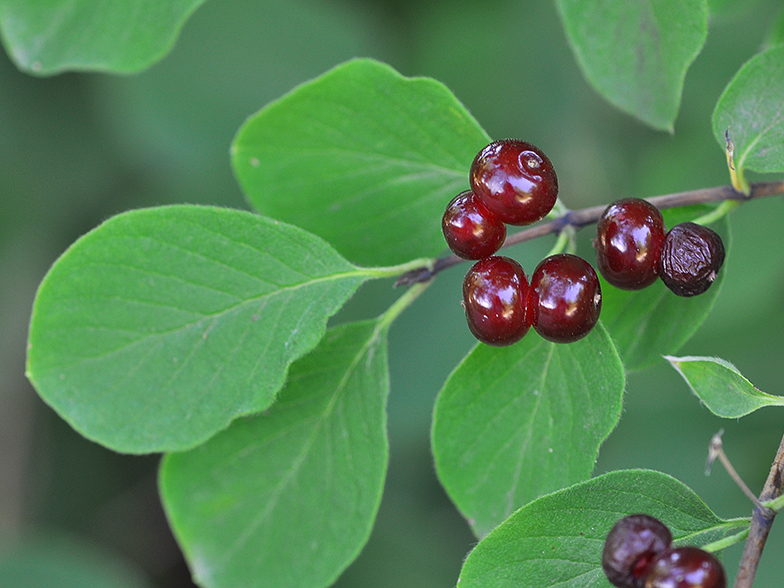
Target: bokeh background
[(77, 148)]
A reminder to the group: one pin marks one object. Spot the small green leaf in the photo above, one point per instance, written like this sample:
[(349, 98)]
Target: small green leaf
[(750, 110), (518, 422), (721, 386), (636, 54), (159, 327), (124, 36), (363, 157), (288, 498), (557, 540), (646, 324)]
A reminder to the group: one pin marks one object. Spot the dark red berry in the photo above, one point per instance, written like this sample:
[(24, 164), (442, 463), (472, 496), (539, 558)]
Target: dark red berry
[(470, 229), (630, 236), (691, 258), (630, 547), (685, 567), (496, 300), (515, 180), (567, 298)]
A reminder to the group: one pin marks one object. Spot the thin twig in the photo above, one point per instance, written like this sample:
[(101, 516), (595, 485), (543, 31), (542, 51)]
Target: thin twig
[(761, 522), (586, 216), (715, 451)]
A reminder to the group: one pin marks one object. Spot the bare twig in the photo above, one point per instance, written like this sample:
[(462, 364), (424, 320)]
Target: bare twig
[(715, 451), (586, 216), (761, 522)]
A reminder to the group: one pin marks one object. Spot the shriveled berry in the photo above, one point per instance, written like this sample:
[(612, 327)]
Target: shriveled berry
[(630, 547), (691, 258), (470, 229), (685, 567), (630, 234), (515, 180), (496, 300), (568, 298)]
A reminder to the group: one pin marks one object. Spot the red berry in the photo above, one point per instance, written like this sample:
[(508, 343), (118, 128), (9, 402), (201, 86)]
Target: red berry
[(691, 257), (515, 180), (496, 300), (630, 546), (685, 567), (568, 298), (470, 229), (628, 246)]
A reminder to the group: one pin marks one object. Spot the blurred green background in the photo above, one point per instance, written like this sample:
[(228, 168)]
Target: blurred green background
[(77, 148)]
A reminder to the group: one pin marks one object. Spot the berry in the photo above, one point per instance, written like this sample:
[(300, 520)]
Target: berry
[(496, 300), (629, 242), (685, 567), (630, 546), (567, 298), (690, 259), (515, 180), (470, 229)]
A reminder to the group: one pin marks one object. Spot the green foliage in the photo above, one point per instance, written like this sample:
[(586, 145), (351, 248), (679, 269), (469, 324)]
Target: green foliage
[(636, 54), (750, 110), (517, 422), (201, 331), (721, 386), (126, 36), (156, 329), (557, 539), (362, 157), (287, 498)]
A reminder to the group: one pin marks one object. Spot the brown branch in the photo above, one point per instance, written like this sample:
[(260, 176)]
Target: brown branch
[(586, 216), (761, 522)]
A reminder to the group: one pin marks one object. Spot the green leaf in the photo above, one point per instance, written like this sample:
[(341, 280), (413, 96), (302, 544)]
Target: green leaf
[(636, 54), (159, 327), (288, 498), (517, 422), (750, 110), (646, 324), (722, 388), (557, 540), (363, 157), (124, 36)]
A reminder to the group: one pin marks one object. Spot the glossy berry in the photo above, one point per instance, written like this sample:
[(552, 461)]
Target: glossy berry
[(470, 229), (630, 547), (496, 301), (515, 180), (630, 234), (691, 258), (567, 298), (685, 567)]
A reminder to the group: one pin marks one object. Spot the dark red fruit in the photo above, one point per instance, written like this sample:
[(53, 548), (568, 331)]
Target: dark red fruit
[(496, 300), (567, 298), (630, 547), (628, 246), (515, 180), (685, 567), (470, 229), (691, 258)]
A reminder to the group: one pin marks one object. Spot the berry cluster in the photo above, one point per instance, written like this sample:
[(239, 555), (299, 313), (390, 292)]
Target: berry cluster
[(633, 250), (638, 553), (513, 182)]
